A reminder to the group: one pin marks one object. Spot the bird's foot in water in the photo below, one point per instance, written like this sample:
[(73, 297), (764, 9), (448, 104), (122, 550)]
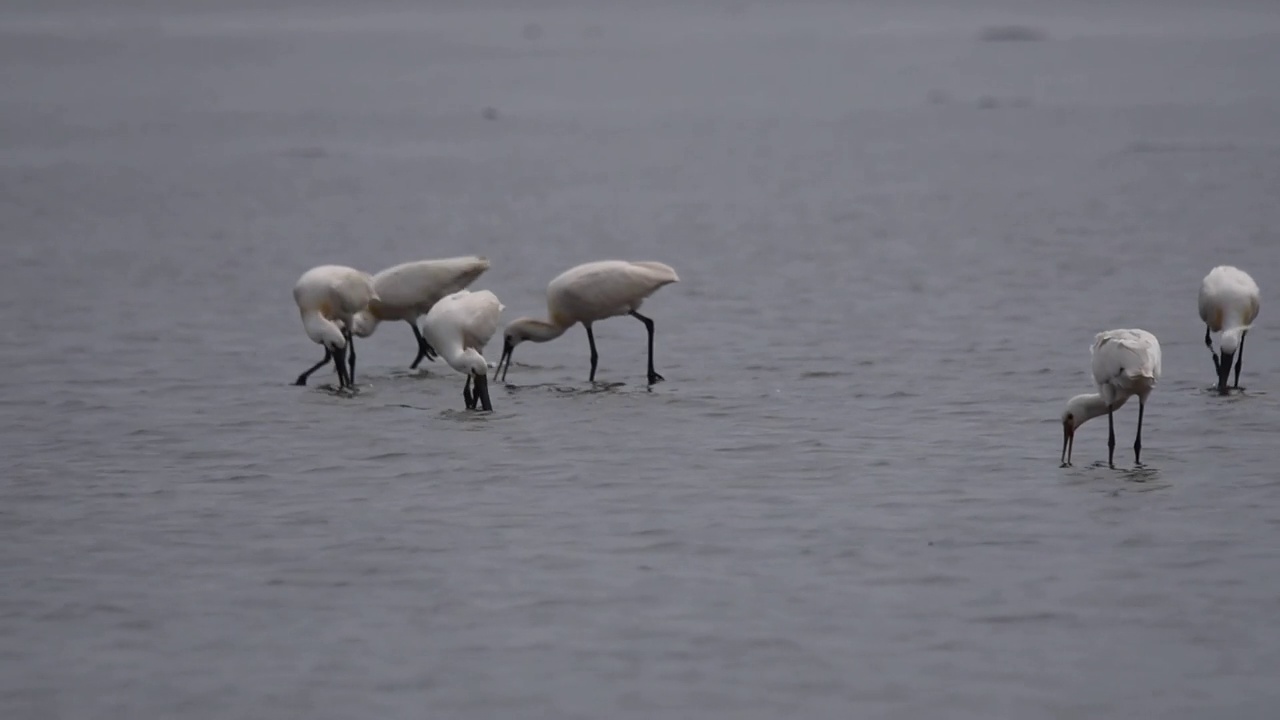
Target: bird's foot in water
[(655, 378)]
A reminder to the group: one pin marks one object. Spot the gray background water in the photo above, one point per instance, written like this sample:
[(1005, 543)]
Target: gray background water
[(895, 244)]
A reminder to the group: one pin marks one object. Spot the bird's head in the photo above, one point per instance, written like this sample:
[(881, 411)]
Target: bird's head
[(363, 324), (472, 363), (1231, 340), (1068, 430), (334, 339), (1073, 416), (516, 332), (324, 331)]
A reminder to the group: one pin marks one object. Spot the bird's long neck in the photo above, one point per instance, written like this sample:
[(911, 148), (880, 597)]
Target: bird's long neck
[(1230, 338), (321, 329), (543, 330), (464, 360), (364, 323), (1089, 407)]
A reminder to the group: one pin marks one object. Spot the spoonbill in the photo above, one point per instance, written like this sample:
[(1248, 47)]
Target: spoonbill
[(328, 297), (1125, 363), (409, 290), (1229, 302), (458, 327), (587, 293)]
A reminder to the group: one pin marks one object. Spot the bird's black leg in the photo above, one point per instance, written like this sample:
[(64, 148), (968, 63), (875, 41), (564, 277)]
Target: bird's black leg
[(648, 325), (481, 395), (1208, 342), (1111, 437), (1240, 358), (467, 397), (351, 349), (424, 348), (344, 379), (595, 357), (1137, 442), (302, 379)]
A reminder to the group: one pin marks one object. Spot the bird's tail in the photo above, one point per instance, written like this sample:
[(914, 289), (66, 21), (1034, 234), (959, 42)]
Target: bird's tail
[(660, 270)]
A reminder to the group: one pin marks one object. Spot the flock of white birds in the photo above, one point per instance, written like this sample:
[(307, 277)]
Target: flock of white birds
[(1127, 362), (338, 302)]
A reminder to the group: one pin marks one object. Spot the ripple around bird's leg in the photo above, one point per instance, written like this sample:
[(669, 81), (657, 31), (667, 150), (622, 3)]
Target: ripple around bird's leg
[(1140, 474), (419, 374), (593, 389), (1236, 393), (331, 389)]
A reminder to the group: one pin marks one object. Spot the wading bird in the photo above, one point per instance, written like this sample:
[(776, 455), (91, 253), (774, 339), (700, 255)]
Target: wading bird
[(409, 291), (587, 293), (1125, 363), (1229, 304), (458, 327), (328, 297)]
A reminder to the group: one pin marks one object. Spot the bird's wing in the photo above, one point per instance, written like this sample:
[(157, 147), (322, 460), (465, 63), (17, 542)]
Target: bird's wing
[(1132, 353), (424, 282), (1210, 310), (599, 290), (1251, 311), (352, 291), (1228, 296)]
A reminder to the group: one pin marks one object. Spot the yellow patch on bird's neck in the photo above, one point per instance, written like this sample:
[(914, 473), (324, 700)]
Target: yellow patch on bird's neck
[(1215, 323), (326, 309)]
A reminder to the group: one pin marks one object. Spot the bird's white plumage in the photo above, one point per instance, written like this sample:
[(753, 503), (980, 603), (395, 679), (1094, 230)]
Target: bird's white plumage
[(409, 290), (587, 293), (1229, 303), (328, 297), (607, 288), (460, 325), (1125, 363)]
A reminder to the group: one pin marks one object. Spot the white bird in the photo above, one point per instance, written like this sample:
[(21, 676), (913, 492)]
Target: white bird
[(1125, 363), (458, 327), (328, 297), (1229, 302), (409, 291), (587, 293)]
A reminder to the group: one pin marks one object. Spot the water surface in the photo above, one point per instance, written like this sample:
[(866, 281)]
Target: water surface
[(895, 244)]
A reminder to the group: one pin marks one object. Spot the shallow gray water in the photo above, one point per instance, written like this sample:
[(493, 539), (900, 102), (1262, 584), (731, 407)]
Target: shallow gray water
[(895, 244)]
